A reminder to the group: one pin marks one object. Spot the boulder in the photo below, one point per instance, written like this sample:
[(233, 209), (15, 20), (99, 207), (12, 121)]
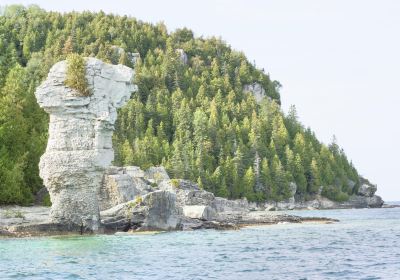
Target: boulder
[(375, 201), (288, 204), (367, 190), (79, 147), (156, 174), (117, 189), (253, 206), (156, 211), (134, 171), (187, 192), (201, 212), (225, 205), (122, 184), (153, 211)]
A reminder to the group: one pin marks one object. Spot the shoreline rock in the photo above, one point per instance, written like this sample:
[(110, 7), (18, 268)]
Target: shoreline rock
[(232, 221), (135, 200)]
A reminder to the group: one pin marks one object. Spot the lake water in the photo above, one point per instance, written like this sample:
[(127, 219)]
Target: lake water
[(365, 244)]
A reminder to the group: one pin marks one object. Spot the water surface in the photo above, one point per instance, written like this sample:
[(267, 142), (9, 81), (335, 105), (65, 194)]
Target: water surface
[(364, 245)]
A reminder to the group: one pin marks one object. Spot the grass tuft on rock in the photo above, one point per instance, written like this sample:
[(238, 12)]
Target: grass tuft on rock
[(76, 74)]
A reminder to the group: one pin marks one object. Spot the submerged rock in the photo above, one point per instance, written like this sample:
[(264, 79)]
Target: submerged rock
[(79, 147)]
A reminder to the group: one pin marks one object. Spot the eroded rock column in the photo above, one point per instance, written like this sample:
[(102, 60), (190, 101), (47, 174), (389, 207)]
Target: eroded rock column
[(79, 147)]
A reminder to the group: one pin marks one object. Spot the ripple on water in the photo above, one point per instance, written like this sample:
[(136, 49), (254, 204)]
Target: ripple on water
[(364, 245)]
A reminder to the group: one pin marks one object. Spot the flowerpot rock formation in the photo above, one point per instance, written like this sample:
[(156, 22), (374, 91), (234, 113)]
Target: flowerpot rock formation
[(79, 147)]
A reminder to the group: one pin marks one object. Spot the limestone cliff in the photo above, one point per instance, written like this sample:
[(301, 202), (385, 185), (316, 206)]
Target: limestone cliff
[(79, 146)]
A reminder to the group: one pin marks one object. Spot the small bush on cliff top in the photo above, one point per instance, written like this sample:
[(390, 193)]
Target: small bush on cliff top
[(76, 74)]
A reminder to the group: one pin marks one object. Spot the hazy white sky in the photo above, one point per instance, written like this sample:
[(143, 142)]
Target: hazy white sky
[(338, 62)]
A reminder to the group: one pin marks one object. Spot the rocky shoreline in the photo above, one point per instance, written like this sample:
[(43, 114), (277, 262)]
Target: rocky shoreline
[(90, 196), (33, 221), (135, 200)]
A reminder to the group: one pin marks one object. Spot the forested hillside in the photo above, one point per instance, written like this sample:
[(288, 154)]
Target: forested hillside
[(190, 114)]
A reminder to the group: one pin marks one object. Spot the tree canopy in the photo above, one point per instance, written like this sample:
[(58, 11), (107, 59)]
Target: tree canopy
[(192, 116)]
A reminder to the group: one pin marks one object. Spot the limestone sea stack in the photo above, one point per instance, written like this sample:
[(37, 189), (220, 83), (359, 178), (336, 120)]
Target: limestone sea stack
[(79, 146)]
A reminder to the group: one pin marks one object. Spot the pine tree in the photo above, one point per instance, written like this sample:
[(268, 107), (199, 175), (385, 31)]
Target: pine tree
[(315, 179), (68, 46), (248, 184)]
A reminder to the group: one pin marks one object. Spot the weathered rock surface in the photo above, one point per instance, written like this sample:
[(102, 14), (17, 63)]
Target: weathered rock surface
[(320, 202), (156, 174), (367, 190), (16, 215), (201, 212), (182, 56), (256, 89), (117, 189), (153, 211), (225, 205), (187, 192), (79, 147)]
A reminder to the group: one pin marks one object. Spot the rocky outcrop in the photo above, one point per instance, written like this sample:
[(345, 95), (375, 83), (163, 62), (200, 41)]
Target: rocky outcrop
[(118, 52), (201, 212), (79, 147), (133, 57), (320, 202), (118, 189), (153, 211), (187, 192), (367, 190), (182, 56), (156, 174), (256, 89), (122, 184), (225, 205)]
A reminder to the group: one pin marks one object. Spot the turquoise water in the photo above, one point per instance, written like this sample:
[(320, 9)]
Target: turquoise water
[(364, 245)]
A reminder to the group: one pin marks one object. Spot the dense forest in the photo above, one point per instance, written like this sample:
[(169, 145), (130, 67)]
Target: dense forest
[(190, 114)]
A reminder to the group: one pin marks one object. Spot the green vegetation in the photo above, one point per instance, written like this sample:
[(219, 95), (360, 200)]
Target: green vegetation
[(194, 118), (46, 200), (138, 200), (76, 74), (175, 183)]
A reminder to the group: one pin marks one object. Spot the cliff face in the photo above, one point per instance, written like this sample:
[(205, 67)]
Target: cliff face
[(79, 146)]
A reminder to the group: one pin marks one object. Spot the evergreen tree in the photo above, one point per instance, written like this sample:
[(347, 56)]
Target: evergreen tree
[(248, 184), (192, 117)]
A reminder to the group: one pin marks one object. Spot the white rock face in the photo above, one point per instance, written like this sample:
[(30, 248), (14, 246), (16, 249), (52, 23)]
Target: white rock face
[(122, 184), (153, 211), (79, 147), (182, 56), (156, 174), (256, 89), (201, 212), (117, 189), (367, 190)]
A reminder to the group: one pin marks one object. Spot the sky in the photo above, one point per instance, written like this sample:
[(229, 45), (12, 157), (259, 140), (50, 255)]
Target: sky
[(338, 62)]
